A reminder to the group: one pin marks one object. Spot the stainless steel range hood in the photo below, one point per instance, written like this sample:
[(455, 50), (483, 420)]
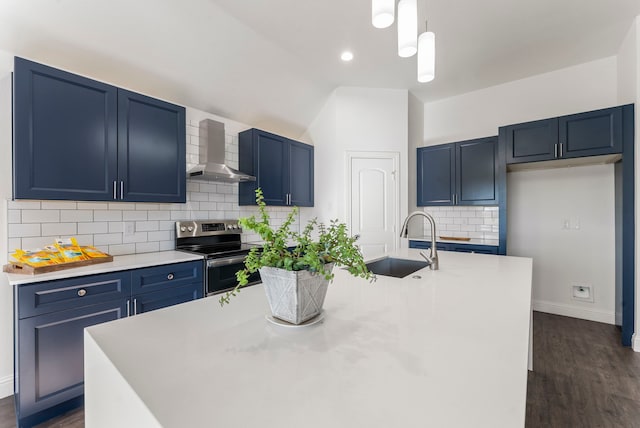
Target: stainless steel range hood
[(212, 165)]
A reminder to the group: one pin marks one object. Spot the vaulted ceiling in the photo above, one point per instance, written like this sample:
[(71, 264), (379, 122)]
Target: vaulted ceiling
[(273, 63)]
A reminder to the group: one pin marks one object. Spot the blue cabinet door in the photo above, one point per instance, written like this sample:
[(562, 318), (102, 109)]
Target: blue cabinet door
[(65, 135), (147, 302), (166, 277), (151, 149), (283, 169), (477, 171), (301, 177), (50, 363), (266, 156), (532, 141), (592, 133), (436, 175)]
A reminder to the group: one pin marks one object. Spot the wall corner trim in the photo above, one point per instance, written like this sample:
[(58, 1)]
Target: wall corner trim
[(6, 386), (635, 342)]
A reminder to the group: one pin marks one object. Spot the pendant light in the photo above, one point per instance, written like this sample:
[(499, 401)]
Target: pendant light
[(426, 56), (407, 28), (382, 13)]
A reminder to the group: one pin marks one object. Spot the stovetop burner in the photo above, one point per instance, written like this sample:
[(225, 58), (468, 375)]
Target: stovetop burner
[(215, 251), (211, 238)]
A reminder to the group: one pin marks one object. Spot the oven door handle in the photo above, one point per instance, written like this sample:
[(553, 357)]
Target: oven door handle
[(225, 261)]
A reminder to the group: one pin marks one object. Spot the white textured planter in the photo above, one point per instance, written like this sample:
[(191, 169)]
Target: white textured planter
[(294, 297)]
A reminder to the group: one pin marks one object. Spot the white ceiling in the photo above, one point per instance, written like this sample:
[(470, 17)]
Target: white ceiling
[(273, 63)]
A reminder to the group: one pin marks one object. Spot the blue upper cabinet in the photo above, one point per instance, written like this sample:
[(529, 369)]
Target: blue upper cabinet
[(462, 173), (79, 139), (532, 141), (476, 171), (283, 169), (65, 135), (436, 175), (151, 149), (592, 133)]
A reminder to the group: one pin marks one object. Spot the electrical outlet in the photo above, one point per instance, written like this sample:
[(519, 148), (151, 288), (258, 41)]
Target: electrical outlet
[(566, 224), (129, 228), (583, 293)]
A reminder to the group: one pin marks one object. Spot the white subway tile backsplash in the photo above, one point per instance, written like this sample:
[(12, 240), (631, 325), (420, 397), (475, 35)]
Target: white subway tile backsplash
[(24, 205), (40, 216), (106, 215), (116, 227), (135, 237), (144, 206), (37, 242), (84, 239), (76, 215), (90, 228), (14, 216), (93, 206), (167, 245), (59, 205), (124, 206), (108, 239), (120, 249), (159, 215), (166, 225), (476, 222), (146, 226), (14, 244), (147, 247), (134, 215), (162, 235), (24, 230), (63, 230)]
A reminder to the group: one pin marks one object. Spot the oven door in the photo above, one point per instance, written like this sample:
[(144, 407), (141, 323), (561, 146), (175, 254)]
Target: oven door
[(221, 274)]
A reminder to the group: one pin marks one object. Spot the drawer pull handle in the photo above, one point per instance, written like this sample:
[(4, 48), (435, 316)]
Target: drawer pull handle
[(170, 276), (82, 292)]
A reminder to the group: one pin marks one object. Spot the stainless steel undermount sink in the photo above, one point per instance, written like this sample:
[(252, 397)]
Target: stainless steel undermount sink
[(398, 268)]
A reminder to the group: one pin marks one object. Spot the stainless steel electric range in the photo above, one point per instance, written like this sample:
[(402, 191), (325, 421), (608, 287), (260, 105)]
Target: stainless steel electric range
[(219, 241)]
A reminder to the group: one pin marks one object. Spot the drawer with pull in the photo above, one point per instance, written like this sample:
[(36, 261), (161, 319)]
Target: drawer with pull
[(166, 276), (45, 297)]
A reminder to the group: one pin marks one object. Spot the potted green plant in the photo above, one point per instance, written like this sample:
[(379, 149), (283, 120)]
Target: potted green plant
[(296, 268)]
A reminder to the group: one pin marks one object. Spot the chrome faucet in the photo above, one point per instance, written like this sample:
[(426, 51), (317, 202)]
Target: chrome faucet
[(432, 258)]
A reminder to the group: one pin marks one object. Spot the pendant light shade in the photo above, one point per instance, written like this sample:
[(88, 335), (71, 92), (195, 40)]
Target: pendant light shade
[(407, 28), (426, 57), (382, 13)]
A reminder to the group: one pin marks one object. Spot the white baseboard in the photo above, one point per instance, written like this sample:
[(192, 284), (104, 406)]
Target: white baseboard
[(575, 312), (635, 342), (6, 386)]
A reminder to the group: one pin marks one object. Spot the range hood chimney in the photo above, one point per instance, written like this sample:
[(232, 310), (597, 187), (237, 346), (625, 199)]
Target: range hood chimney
[(212, 165)]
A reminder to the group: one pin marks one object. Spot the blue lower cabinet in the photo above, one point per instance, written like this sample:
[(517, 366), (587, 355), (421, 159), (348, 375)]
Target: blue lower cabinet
[(49, 363), (460, 248), (50, 318), (161, 299)]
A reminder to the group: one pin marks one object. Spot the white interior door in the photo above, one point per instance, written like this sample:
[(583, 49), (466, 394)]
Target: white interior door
[(373, 200)]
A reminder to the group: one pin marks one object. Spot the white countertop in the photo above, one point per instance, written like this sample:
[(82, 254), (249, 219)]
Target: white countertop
[(132, 261), (447, 350), (472, 241)]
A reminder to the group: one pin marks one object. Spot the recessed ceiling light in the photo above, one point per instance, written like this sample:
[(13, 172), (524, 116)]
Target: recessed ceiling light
[(346, 56)]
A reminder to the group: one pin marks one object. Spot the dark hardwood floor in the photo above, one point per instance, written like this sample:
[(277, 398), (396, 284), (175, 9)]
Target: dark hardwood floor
[(583, 378)]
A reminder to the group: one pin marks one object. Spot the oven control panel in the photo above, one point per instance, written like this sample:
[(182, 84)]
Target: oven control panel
[(189, 228)]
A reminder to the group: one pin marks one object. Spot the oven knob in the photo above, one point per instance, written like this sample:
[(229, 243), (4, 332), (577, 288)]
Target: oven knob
[(229, 227), (182, 228), (235, 226), (190, 228)]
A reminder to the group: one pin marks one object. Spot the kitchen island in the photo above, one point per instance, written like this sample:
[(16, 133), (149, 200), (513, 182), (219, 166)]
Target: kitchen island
[(447, 349)]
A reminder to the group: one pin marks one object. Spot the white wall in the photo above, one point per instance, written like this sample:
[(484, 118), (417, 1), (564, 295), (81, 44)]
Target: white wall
[(416, 135), (629, 92), (356, 119), (575, 89), (6, 294), (538, 202)]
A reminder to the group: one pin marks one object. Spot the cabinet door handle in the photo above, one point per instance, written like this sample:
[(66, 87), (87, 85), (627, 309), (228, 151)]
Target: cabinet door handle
[(561, 149), (128, 307), (555, 150), (170, 276), (115, 189), (121, 189), (82, 292), (135, 306)]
